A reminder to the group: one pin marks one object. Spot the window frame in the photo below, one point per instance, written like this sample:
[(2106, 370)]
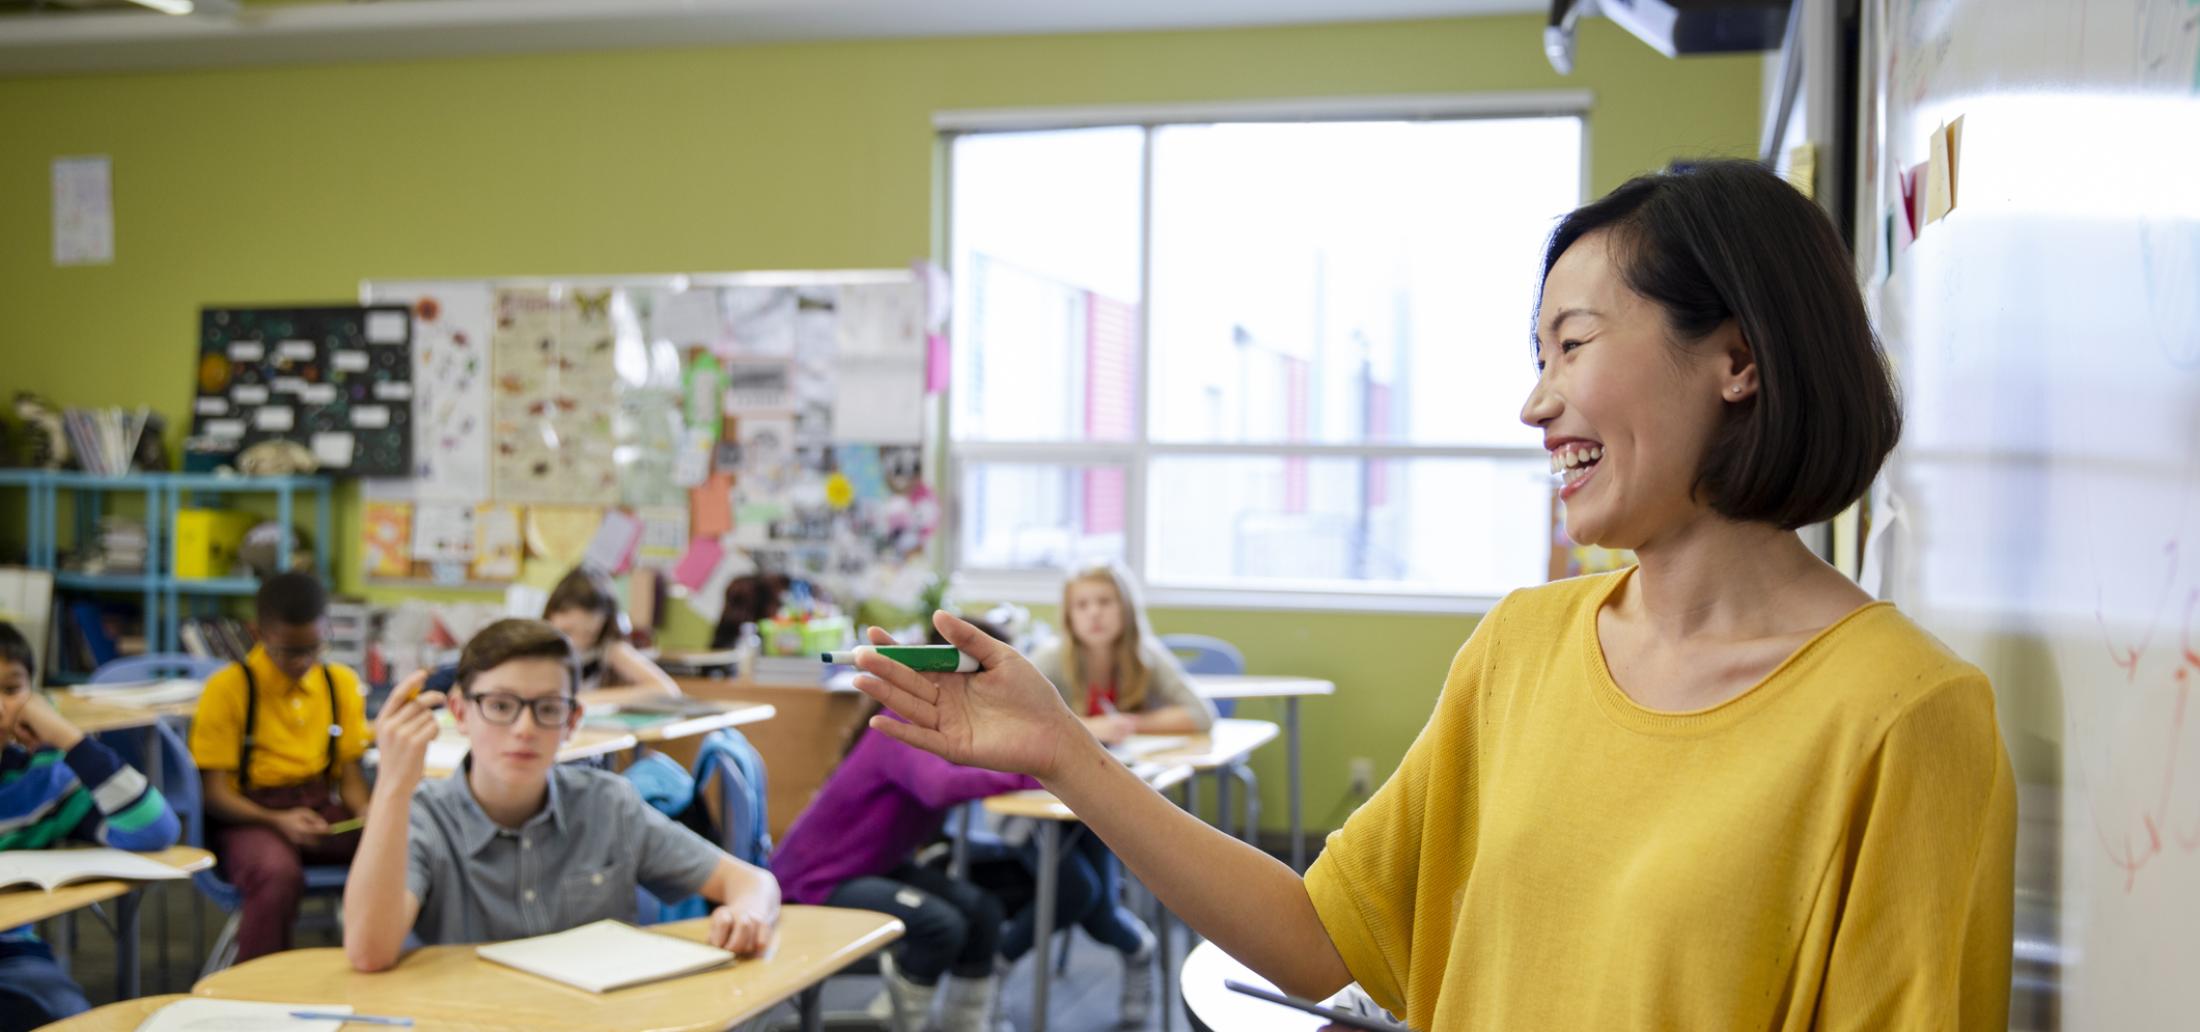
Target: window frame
[(1135, 455)]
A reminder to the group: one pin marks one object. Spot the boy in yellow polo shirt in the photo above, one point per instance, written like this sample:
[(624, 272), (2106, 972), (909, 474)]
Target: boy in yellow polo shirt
[(278, 740)]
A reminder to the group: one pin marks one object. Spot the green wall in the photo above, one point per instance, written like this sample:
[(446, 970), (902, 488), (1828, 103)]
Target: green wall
[(288, 185)]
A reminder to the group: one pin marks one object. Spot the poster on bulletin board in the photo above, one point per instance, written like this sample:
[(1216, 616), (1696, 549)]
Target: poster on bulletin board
[(700, 425), (336, 379)]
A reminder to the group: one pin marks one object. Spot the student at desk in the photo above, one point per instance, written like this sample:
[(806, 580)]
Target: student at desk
[(278, 740), (585, 608), (1723, 788), (58, 785), (515, 844), (1113, 672)]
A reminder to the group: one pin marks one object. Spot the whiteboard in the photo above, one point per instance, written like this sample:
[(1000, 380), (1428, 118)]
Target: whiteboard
[(2042, 514)]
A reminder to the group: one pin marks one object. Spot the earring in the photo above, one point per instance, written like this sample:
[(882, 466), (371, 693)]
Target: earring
[(1736, 389)]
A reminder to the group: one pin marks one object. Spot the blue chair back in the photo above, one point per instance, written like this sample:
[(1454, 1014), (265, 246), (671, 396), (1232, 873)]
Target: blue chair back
[(155, 667), (1203, 654)]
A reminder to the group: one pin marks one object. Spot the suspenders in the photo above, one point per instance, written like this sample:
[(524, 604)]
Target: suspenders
[(251, 717)]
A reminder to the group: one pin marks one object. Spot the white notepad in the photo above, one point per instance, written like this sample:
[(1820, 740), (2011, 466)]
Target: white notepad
[(1146, 745), (202, 1015), (50, 869), (605, 955)]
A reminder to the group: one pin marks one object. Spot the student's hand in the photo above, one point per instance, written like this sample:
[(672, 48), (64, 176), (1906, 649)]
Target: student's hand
[(743, 930), (1007, 716), (39, 724), (403, 732), (1110, 728), (301, 826)]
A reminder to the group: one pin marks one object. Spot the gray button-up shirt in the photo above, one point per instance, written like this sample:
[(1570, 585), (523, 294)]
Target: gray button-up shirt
[(576, 861)]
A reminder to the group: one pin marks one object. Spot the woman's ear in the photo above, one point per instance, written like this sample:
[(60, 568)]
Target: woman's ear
[(1738, 377)]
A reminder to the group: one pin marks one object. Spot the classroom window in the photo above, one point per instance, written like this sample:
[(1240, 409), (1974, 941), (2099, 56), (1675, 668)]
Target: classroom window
[(1255, 355)]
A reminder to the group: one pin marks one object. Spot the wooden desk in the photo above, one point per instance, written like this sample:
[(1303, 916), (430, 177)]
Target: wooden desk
[(1214, 1008), (449, 987), (1231, 740), (1290, 690), (730, 714), (125, 1016), (93, 717), (1051, 815), (23, 905)]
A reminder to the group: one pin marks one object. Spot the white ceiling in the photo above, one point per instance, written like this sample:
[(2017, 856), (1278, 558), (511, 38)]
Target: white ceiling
[(408, 29)]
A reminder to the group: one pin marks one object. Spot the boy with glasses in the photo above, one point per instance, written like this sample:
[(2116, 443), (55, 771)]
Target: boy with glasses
[(278, 740), (514, 844)]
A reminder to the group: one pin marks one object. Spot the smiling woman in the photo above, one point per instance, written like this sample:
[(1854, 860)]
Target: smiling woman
[(1721, 789)]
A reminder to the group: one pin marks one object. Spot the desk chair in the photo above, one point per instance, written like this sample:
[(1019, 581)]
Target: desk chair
[(1202, 654), (178, 780), (156, 666)]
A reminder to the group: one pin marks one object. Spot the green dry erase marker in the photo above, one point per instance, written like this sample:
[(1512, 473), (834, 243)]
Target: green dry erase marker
[(925, 659)]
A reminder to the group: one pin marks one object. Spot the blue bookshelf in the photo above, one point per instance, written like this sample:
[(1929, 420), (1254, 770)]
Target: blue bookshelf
[(167, 599)]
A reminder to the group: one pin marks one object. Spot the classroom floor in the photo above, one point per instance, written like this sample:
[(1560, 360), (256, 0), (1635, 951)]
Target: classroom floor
[(1083, 1000)]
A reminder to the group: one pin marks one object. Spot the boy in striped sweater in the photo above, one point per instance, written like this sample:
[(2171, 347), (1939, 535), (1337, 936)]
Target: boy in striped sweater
[(58, 785)]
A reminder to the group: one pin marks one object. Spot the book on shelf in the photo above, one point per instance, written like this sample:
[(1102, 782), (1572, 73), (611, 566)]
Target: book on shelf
[(105, 440)]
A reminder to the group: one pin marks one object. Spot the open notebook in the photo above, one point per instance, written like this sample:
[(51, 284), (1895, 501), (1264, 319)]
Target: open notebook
[(201, 1015), (605, 955), (50, 869)]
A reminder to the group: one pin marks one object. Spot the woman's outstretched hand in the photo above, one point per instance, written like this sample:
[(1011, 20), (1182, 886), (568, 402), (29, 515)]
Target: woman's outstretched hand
[(1007, 716)]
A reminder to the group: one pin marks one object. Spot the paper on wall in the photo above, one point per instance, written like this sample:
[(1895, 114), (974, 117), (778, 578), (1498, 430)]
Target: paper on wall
[(880, 319), (880, 400), (443, 532), (452, 327), (497, 547), (83, 211)]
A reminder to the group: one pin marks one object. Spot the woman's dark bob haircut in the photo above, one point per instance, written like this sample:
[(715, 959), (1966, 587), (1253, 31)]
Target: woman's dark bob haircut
[(1711, 241)]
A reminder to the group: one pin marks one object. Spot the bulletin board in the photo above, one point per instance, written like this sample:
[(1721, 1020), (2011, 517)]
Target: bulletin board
[(703, 425), (337, 380)]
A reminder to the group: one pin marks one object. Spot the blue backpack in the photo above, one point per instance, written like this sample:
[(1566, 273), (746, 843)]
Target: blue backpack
[(728, 760)]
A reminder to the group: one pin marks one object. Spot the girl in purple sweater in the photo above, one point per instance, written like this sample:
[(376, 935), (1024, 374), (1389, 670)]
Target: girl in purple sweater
[(855, 847)]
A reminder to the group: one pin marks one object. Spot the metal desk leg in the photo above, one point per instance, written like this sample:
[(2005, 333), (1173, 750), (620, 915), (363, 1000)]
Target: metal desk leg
[(1222, 801), (126, 944), (1042, 936), (1298, 835), (813, 1009), (958, 850)]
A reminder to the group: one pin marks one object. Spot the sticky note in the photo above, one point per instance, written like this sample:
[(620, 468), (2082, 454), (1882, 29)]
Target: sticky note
[(370, 417), (273, 417), (393, 390), (249, 394), (1940, 195), (289, 384), (386, 327), (318, 394), (349, 361), (710, 506), (694, 568), (225, 428), (295, 350), (332, 450), (246, 351), (212, 406)]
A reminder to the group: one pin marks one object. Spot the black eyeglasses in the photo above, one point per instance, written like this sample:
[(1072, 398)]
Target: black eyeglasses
[(503, 708)]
